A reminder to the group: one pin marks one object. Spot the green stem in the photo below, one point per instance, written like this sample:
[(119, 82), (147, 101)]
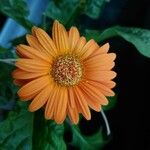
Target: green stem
[(106, 123), (9, 61)]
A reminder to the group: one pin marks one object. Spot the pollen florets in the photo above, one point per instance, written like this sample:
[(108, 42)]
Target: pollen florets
[(67, 70)]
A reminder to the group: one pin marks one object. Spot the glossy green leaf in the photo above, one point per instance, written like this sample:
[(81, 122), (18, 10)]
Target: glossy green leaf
[(94, 8), (140, 38), (16, 130), (95, 141), (17, 10)]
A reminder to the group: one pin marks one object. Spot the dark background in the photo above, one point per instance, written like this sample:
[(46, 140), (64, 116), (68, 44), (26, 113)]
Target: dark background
[(129, 120)]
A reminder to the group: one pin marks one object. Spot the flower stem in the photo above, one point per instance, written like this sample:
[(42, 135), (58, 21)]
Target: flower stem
[(106, 123), (9, 61)]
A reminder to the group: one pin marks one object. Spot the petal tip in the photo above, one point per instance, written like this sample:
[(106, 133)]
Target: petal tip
[(28, 36), (34, 28), (56, 22), (105, 47), (30, 109)]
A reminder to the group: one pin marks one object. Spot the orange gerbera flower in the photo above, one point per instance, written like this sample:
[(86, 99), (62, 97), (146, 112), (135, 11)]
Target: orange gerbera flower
[(65, 73)]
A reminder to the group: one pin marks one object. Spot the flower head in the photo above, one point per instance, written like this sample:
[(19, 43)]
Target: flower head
[(66, 74)]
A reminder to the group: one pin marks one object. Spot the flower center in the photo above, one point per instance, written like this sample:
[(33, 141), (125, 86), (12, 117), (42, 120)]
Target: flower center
[(67, 70)]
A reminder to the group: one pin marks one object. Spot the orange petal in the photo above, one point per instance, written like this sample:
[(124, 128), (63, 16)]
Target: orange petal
[(20, 55), (80, 44), (88, 49), (82, 103), (46, 42), (20, 82), (32, 88), (92, 102), (61, 101), (73, 38), (95, 93), (72, 107), (101, 50), (100, 75), (20, 74), (49, 110), (33, 30), (107, 67), (73, 114), (71, 97), (100, 60), (60, 37), (32, 65), (32, 53), (40, 99), (33, 42), (109, 84), (104, 89)]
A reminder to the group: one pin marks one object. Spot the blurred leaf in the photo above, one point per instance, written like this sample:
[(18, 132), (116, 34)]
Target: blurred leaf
[(94, 7), (17, 10), (140, 38), (50, 135), (93, 34), (2, 101), (7, 94), (62, 10), (8, 89), (111, 104), (55, 135), (2, 49), (95, 141), (5, 74), (16, 130), (65, 10), (19, 40)]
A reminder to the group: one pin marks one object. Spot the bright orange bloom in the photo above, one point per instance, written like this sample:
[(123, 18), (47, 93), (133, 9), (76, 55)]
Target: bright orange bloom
[(66, 74)]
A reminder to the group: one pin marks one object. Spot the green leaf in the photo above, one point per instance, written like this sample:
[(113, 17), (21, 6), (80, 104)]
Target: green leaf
[(19, 40), (50, 136), (7, 90), (16, 130), (140, 38), (111, 104), (55, 136), (92, 34), (62, 10), (3, 49), (6, 69), (94, 8), (95, 141), (2, 101), (7, 95), (66, 11), (17, 10)]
